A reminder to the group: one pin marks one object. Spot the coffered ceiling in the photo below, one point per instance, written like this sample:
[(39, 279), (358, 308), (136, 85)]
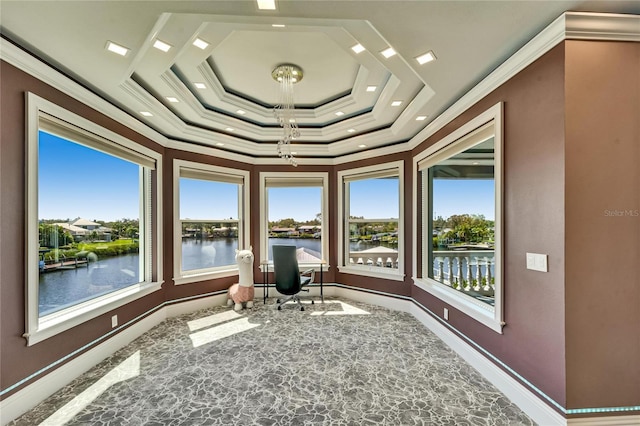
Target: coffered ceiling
[(222, 95)]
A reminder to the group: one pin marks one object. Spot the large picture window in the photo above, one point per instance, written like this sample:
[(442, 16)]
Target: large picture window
[(371, 231), (293, 211), (90, 211), (460, 181), (210, 204)]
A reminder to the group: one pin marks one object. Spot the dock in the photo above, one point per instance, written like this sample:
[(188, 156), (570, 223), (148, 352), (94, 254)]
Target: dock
[(63, 264)]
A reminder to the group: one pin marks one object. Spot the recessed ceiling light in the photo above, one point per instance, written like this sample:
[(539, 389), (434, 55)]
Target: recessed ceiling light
[(362, 146), (161, 45), (116, 48), (200, 43), (475, 163), (358, 48), (146, 113), (396, 103), (294, 153), (278, 25), (339, 113), (427, 57), (266, 4), (292, 120), (351, 130), (387, 53), (200, 85), (229, 129), (219, 144), (371, 88), (172, 99), (241, 112), (421, 118)]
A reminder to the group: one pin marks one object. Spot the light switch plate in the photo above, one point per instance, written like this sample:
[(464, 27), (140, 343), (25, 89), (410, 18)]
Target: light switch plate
[(537, 262)]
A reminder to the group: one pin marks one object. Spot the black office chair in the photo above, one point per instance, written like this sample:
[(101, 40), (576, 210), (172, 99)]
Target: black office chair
[(289, 280)]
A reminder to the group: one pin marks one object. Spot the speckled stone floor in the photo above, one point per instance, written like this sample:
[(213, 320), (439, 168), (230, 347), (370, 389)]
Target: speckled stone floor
[(337, 363)]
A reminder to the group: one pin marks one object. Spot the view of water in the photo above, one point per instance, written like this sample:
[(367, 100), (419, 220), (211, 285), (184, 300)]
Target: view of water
[(200, 254), (63, 288)]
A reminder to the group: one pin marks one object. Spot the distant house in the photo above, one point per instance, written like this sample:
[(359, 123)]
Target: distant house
[(284, 232), (86, 224), (80, 229)]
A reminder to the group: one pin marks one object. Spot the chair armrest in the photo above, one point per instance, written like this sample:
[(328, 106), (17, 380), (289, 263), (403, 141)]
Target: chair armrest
[(311, 272)]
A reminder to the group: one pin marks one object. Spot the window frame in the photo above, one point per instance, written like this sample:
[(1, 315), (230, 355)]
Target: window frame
[(369, 172), (296, 179), (490, 316), (38, 112), (211, 171)]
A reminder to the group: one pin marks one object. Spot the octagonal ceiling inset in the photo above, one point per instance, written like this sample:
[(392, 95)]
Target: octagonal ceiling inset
[(223, 95), (244, 60)]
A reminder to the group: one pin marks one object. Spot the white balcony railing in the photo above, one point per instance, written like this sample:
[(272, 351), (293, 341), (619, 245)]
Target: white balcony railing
[(469, 271), (383, 257)]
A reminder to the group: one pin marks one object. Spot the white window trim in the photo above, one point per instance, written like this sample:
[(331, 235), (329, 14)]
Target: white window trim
[(181, 277), (365, 270), (295, 178), (38, 329), (491, 316)]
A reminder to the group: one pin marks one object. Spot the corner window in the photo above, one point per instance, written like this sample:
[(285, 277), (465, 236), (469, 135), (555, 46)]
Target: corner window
[(461, 186), (91, 211), (210, 207), (293, 210), (371, 229)]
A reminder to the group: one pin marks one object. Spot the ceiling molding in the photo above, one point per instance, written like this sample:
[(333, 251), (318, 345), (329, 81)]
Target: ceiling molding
[(585, 26), (569, 26)]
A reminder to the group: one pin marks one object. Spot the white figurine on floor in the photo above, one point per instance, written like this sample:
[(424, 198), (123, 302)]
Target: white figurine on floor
[(243, 291)]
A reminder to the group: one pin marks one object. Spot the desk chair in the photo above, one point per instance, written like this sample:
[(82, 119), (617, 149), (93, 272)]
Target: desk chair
[(288, 278)]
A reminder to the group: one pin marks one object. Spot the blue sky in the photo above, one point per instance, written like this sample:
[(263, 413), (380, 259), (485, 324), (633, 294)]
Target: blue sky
[(463, 196), (200, 199), (75, 181)]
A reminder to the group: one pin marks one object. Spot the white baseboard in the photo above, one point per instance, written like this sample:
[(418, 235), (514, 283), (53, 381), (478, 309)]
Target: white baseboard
[(606, 421), (528, 402), (31, 395), (28, 397), (176, 309)]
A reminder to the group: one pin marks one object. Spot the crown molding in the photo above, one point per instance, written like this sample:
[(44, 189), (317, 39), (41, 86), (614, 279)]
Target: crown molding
[(33, 66), (568, 26)]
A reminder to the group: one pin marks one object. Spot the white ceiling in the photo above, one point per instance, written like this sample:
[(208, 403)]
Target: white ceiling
[(469, 38)]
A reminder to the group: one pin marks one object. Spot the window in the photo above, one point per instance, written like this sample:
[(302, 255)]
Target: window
[(461, 186), (211, 204), (90, 215), (371, 229), (293, 210)]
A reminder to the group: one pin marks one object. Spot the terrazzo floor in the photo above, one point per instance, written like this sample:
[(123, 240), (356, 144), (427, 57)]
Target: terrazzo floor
[(337, 363)]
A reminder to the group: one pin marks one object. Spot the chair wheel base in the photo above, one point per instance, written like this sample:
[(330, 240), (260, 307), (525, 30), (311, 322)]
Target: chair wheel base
[(312, 302), (279, 308), (302, 308)]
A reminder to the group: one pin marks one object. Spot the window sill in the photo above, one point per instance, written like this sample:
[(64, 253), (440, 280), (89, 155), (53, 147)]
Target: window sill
[(66, 319), (373, 271), (302, 266), (205, 276), (481, 312)]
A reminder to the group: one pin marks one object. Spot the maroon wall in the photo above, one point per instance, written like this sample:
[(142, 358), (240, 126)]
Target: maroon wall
[(571, 148), (18, 360), (533, 198), (172, 291), (602, 224), (379, 284)]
